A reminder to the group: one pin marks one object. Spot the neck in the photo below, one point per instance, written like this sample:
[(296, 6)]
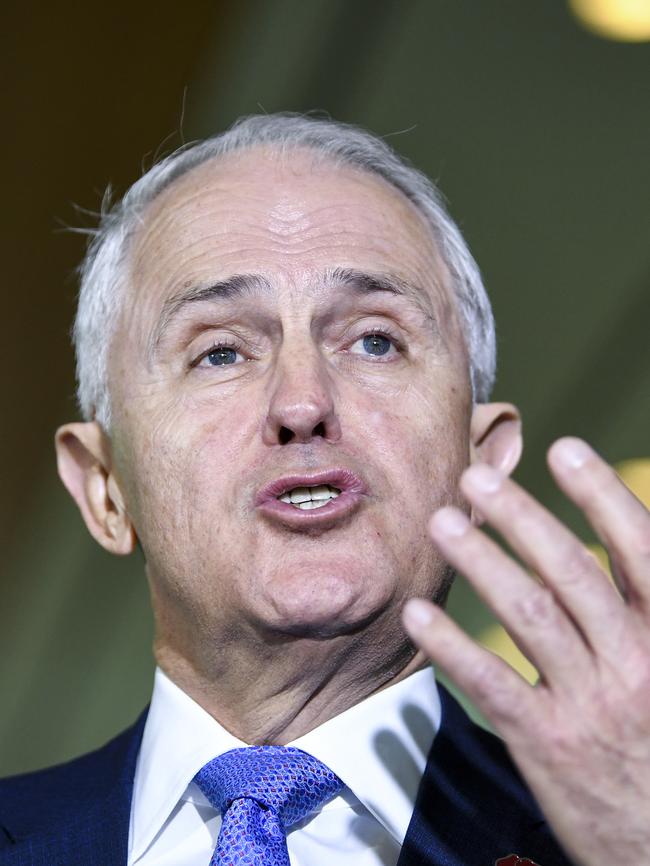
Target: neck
[(274, 691)]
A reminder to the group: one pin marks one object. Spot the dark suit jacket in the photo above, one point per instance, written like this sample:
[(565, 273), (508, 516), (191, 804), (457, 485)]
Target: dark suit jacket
[(472, 807)]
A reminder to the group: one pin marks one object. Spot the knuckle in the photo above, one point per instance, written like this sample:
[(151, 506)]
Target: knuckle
[(536, 608), (579, 563), (492, 696), (487, 684), (483, 677), (518, 505)]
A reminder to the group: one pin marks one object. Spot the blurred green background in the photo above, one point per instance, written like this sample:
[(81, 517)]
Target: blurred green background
[(538, 133)]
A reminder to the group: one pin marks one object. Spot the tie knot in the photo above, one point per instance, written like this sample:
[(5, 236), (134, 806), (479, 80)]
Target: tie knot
[(282, 778)]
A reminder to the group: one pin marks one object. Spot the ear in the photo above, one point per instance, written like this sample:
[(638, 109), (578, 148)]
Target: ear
[(84, 463), (495, 436)]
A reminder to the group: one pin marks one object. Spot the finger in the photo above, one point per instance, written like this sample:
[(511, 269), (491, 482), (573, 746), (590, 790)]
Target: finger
[(621, 521), (530, 614), (500, 694), (568, 569)]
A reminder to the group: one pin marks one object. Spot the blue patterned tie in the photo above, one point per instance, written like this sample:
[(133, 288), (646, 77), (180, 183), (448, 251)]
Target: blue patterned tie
[(261, 792)]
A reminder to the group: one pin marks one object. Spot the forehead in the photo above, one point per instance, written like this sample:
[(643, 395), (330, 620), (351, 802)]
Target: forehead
[(281, 215)]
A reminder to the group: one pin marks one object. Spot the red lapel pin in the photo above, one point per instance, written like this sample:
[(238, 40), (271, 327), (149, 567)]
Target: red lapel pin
[(514, 860)]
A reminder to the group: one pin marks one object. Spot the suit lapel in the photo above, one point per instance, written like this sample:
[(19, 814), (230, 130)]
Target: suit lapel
[(473, 807), (84, 809)]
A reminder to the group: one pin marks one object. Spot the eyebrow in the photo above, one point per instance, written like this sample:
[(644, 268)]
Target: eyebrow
[(248, 285), (236, 286), (364, 283)]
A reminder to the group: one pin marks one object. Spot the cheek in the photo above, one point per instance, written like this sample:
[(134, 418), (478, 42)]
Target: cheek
[(163, 491), (223, 433), (189, 461), (427, 454)]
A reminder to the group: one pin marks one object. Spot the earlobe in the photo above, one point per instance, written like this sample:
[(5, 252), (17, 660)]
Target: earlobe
[(496, 436), (84, 464)]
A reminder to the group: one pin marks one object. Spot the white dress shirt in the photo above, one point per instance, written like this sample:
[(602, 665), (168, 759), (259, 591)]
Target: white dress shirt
[(378, 748)]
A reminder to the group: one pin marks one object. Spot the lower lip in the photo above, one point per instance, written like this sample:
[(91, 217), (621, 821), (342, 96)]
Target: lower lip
[(336, 509)]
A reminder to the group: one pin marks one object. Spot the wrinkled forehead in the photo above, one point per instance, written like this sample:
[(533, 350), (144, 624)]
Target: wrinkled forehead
[(284, 215)]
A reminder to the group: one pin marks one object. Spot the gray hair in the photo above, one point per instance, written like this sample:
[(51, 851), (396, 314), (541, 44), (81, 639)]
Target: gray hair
[(104, 266)]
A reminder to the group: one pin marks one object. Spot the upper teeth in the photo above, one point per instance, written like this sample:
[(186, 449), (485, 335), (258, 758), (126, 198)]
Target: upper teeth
[(310, 497)]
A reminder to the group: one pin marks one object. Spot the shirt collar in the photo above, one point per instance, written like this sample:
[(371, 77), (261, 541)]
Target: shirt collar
[(378, 748), (179, 738)]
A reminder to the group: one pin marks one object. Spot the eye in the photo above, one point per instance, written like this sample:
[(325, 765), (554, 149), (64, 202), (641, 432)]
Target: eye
[(376, 344), (219, 356)]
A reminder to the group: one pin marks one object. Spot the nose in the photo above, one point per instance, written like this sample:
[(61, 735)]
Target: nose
[(301, 403)]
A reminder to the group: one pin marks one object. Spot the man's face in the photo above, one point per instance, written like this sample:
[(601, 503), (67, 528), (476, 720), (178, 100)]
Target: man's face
[(288, 325)]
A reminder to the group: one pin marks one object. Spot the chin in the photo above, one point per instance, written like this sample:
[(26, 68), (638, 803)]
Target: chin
[(324, 607), (322, 628)]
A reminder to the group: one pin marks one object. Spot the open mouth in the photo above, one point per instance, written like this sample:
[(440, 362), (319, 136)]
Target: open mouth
[(308, 498)]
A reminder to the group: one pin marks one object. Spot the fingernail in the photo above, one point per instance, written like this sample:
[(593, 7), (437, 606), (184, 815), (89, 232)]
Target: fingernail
[(450, 521), (417, 613), (572, 453), (483, 478)]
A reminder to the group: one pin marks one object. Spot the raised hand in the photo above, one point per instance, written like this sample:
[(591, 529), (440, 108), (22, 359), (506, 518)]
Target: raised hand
[(581, 735)]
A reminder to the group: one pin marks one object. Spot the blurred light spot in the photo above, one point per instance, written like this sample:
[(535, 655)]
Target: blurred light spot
[(497, 639), (636, 475), (623, 20)]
